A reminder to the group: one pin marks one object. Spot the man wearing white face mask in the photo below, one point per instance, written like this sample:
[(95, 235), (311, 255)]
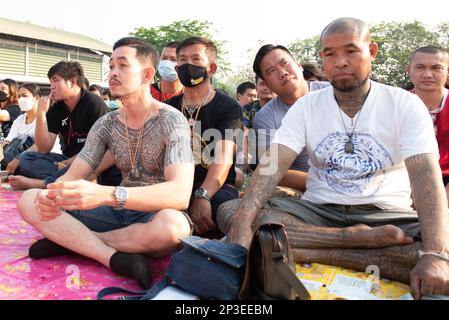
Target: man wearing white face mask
[(169, 86), (21, 135)]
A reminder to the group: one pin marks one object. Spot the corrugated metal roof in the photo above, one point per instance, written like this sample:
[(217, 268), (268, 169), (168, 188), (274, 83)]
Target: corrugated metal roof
[(28, 30)]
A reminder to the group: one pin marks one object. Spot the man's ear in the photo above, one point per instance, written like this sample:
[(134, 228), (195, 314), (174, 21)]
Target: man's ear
[(213, 68), (74, 81), (373, 49), (409, 68), (148, 75)]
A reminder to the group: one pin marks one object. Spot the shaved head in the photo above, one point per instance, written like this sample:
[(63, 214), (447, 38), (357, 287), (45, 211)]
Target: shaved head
[(347, 25)]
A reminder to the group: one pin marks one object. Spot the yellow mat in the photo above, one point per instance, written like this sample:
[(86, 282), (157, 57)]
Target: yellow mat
[(333, 283)]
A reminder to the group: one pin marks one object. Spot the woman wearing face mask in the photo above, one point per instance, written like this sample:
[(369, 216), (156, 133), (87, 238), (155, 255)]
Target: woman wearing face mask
[(170, 85), (9, 110), (21, 135)]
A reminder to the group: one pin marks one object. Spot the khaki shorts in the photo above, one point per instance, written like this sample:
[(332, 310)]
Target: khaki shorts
[(340, 216)]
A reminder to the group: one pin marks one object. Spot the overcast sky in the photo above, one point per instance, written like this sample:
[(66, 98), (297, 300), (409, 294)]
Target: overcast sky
[(240, 22)]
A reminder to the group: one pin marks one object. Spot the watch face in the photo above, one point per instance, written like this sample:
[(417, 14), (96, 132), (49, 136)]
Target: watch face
[(122, 194), (201, 193)]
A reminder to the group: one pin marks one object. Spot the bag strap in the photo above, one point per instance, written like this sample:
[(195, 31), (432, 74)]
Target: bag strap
[(137, 295), (292, 280), (280, 261)]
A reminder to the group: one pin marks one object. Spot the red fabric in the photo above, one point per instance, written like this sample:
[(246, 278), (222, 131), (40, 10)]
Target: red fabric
[(158, 95), (442, 125)]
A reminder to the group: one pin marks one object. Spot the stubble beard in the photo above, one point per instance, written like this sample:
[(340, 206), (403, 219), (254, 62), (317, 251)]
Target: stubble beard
[(348, 86)]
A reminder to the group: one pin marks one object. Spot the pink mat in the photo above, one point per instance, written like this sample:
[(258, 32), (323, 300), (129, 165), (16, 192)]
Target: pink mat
[(62, 278)]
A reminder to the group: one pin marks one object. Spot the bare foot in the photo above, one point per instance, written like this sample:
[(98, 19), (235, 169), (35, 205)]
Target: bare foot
[(363, 236), (24, 183)]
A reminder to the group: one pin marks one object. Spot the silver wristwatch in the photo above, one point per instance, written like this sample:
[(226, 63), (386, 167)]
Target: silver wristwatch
[(201, 193), (121, 195)]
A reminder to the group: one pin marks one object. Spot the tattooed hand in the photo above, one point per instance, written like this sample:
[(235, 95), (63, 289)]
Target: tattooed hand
[(430, 277)]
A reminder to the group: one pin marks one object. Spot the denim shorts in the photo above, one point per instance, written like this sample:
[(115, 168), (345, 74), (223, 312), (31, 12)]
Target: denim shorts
[(106, 218)]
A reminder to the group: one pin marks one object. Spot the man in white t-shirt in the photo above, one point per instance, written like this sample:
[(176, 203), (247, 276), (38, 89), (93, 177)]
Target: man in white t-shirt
[(367, 144)]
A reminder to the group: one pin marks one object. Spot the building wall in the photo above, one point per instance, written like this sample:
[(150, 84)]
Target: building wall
[(31, 61)]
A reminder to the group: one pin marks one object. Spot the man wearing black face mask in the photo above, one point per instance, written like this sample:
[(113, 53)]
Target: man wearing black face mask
[(219, 115)]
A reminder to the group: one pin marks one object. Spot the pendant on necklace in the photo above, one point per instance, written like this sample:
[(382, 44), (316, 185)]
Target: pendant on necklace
[(135, 173), (191, 122), (349, 146)]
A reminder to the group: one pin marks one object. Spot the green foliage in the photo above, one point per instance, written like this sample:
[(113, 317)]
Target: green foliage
[(396, 41), (178, 31), (245, 72), (306, 50)]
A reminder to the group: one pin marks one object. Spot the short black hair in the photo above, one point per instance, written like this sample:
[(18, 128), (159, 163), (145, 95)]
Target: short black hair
[(145, 52), (172, 44), (241, 89), (33, 88), (311, 70), (211, 48), (263, 51), (96, 87), (430, 50), (106, 92), (68, 70)]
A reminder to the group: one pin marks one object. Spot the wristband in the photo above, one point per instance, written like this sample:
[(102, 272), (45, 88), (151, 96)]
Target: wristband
[(435, 254)]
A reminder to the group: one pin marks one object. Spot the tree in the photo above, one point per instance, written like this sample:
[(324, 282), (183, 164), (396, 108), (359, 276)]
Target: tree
[(443, 35), (244, 72), (396, 42), (178, 31), (306, 50)]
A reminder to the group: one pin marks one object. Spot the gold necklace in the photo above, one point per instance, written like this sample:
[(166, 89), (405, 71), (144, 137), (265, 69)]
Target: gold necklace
[(192, 120), (133, 155)]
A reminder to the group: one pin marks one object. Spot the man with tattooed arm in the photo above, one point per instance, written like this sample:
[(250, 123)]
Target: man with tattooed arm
[(369, 145)]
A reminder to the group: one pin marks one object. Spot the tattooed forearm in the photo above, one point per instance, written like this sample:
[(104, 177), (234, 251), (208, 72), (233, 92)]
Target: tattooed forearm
[(430, 200), (272, 167)]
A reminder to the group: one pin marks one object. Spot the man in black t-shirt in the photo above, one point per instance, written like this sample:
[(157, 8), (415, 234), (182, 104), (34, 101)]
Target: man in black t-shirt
[(215, 118), (71, 116)]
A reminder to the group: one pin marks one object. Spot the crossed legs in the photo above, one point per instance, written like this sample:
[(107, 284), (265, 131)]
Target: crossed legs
[(156, 238), (355, 247)]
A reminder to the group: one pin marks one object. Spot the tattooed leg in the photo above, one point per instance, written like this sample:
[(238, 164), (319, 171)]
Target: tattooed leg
[(395, 263), (302, 235)]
